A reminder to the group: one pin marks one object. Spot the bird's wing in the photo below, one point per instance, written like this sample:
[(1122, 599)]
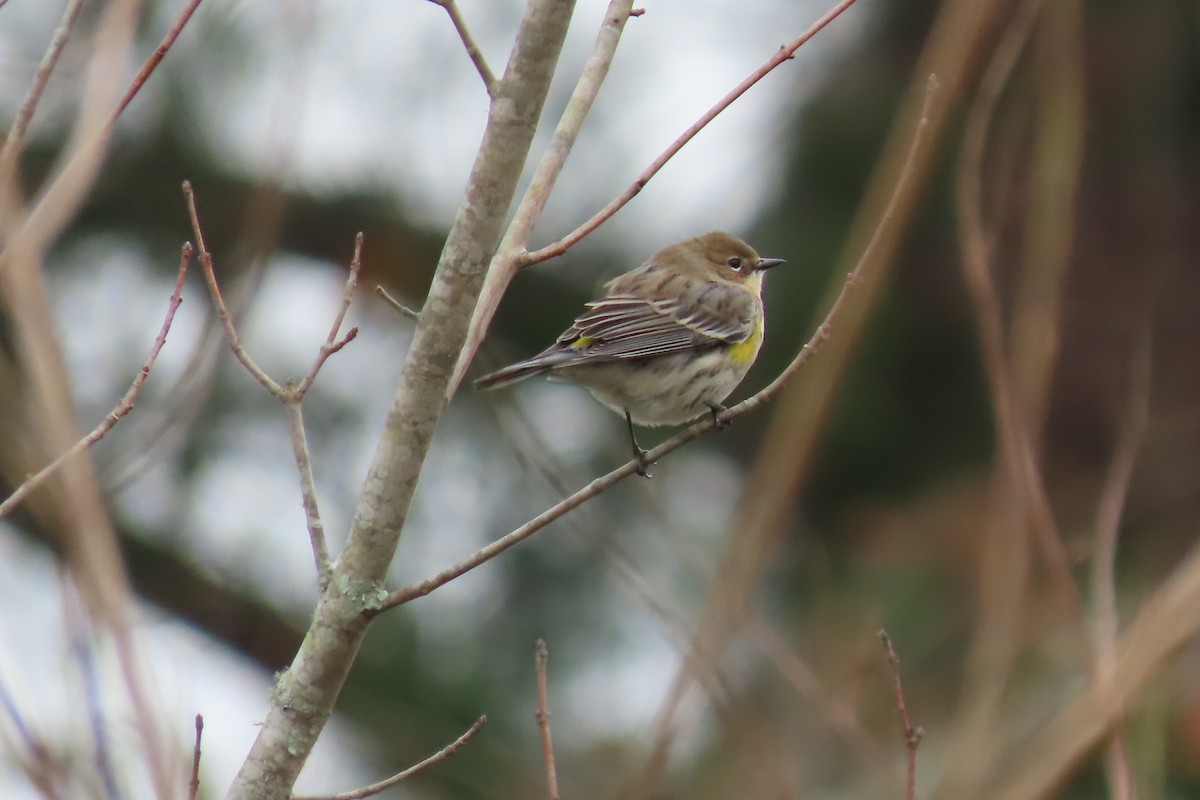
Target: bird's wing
[(624, 326)]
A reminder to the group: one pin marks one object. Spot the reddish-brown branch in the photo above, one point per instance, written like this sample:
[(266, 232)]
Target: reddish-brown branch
[(210, 278), (783, 54), (332, 343), (123, 407), (542, 715), (194, 783), (153, 61), (912, 735)]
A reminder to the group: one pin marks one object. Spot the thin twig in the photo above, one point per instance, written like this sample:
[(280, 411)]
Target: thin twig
[(231, 335), (603, 483), (460, 25), (332, 343), (783, 54), (308, 493), (396, 304), (16, 132), (153, 60), (387, 783), (194, 783), (1108, 522), (912, 735), (123, 407), (542, 715)]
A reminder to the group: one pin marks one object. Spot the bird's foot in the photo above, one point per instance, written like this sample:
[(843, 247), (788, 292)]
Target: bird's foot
[(644, 463), (718, 423)]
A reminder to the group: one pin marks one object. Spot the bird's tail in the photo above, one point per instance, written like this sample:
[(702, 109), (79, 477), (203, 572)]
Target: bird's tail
[(515, 372)]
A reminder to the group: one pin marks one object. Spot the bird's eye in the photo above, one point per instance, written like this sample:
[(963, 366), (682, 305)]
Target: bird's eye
[(734, 263)]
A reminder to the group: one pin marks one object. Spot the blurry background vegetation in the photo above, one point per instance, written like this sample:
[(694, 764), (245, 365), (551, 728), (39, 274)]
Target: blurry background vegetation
[(887, 525)]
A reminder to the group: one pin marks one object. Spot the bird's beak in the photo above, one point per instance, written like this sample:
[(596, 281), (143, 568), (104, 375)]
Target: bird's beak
[(767, 263)]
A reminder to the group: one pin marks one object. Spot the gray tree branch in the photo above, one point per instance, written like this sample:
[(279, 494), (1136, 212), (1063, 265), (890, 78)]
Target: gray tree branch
[(304, 696)]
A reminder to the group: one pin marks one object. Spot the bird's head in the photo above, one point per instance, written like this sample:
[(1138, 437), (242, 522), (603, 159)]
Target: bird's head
[(717, 256)]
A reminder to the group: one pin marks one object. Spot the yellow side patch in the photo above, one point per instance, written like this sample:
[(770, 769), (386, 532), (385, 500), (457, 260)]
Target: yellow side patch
[(582, 341), (744, 351)]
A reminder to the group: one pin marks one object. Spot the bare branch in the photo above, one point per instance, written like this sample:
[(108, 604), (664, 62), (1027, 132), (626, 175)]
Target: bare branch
[(460, 25), (194, 783), (153, 61), (308, 493), (16, 132), (912, 736), (783, 54), (507, 260), (387, 783), (603, 483), (396, 304), (332, 343), (542, 715), (210, 278), (123, 407)]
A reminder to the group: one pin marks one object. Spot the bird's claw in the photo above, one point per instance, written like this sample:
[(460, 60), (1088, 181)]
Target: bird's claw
[(718, 423), (644, 463)]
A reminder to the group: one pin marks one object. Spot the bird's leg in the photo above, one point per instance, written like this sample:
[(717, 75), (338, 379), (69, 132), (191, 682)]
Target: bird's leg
[(718, 423), (639, 455)]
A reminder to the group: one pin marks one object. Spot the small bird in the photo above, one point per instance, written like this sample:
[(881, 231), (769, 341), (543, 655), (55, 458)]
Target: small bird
[(669, 341)]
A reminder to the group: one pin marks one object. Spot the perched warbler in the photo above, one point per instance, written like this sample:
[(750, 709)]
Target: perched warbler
[(669, 341)]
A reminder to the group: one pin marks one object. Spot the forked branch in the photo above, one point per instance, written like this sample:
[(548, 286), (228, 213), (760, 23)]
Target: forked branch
[(290, 394)]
